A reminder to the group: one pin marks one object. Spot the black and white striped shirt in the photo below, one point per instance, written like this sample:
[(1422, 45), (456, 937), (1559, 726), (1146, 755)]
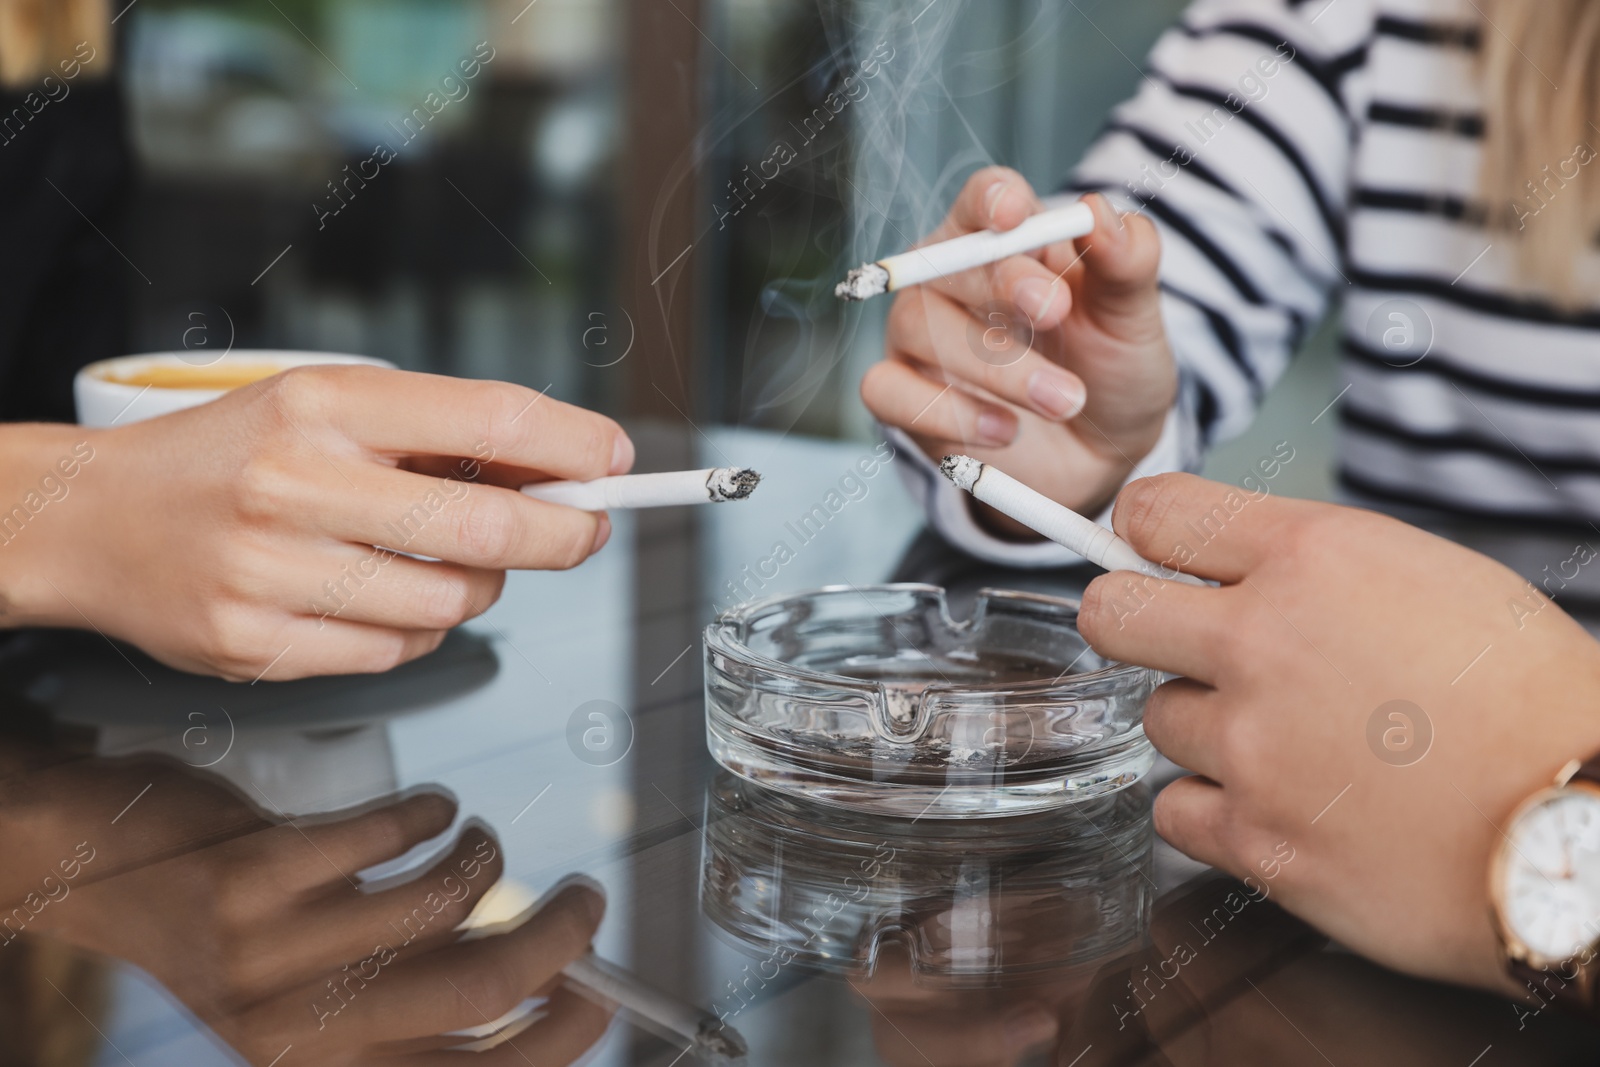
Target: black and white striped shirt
[(1293, 152)]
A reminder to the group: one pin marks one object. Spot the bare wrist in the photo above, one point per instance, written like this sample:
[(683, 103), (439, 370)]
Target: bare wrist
[(41, 475)]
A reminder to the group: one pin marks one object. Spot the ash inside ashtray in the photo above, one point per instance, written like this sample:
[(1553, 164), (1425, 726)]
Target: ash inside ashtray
[(901, 701)]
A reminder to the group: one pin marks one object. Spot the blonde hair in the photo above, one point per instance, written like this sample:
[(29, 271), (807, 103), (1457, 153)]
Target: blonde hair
[(35, 35), (1541, 71)]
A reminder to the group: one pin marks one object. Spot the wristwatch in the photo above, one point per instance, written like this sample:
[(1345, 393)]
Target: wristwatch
[(1544, 886)]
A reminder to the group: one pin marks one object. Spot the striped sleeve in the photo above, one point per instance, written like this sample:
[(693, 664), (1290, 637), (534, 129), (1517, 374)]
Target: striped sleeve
[(1238, 147)]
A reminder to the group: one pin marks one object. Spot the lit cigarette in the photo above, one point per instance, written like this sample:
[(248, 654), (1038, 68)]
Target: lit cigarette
[(658, 1011), (964, 253), (1059, 523), (716, 486)]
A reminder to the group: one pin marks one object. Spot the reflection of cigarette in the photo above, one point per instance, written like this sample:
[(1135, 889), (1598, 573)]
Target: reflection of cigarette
[(715, 486), (504, 907), (1060, 524), (965, 252), (675, 1019)]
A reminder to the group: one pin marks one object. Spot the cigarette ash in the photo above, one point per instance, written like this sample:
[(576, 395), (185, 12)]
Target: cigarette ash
[(901, 702), (863, 283), (723, 1043), (731, 483), (964, 471)]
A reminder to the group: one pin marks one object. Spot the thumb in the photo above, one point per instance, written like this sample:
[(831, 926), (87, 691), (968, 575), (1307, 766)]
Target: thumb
[(1120, 280)]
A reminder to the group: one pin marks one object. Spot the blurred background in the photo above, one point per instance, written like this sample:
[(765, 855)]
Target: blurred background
[(639, 204), (642, 204)]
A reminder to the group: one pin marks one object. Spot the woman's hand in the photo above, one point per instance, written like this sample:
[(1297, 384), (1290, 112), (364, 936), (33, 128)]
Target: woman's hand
[(1054, 365), (1326, 615), (238, 537)]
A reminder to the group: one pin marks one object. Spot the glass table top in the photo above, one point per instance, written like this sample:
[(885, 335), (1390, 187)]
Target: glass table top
[(233, 848)]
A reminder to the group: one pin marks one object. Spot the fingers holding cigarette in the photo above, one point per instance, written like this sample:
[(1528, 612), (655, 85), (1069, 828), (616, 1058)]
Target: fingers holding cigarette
[(1033, 282), (994, 198), (968, 252), (1119, 275), (932, 412), (998, 243), (1055, 521), (995, 352)]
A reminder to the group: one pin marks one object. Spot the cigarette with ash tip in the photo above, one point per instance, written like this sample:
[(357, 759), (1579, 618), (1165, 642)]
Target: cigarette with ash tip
[(964, 253), (1055, 521), (715, 486)]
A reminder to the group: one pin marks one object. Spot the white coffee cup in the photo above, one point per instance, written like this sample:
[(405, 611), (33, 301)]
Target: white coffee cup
[(102, 400)]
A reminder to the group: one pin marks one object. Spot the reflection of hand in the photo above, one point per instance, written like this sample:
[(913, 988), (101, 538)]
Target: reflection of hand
[(263, 935), (916, 1021), (215, 538), (1069, 413), (1326, 614)]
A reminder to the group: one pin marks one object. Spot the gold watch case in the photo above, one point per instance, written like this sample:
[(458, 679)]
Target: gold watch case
[(1512, 944)]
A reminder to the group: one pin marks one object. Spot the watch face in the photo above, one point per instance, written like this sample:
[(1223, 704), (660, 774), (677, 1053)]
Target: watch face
[(1551, 875)]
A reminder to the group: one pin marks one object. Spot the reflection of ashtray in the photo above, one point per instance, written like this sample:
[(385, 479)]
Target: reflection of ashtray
[(972, 903), (873, 697)]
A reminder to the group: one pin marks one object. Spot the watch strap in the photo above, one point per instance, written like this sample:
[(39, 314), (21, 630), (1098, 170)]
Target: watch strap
[(1572, 988), (1588, 771)]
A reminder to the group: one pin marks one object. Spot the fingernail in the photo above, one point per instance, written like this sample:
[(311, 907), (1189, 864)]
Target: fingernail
[(622, 455), (991, 199), (591, 892), (1055, 393), (1033, 297), (1029, 1028), (1115, 229), (996, 428), (602, 535)]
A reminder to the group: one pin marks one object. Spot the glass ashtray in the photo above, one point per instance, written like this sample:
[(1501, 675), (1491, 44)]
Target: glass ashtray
[(875, 698)]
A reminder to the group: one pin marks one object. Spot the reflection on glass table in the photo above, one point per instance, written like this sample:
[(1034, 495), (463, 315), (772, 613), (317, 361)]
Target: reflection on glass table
[(999, 923), (264, 929), (974, 903), (1042, 945)]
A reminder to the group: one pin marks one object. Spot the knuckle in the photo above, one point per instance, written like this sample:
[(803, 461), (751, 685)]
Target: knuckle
[(488, 528), (296, 391), (265, 487), (1092, 607), (595, 437), (1239, 746), (1157, 716), (573, 548), (393, 650), (570, 930), (488, 990), (386, 831), (490, 584), (1144, 506), (442, 604), (513, 423), (233, 644)]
